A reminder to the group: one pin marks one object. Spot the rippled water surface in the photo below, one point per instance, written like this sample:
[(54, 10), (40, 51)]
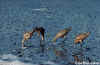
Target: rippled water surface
[(19, 16)]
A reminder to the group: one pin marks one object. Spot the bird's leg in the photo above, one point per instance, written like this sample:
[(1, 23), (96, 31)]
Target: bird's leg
[(42, 38), (81, 51), (23, 43), (42, 46), (80, 43), (41, 35)]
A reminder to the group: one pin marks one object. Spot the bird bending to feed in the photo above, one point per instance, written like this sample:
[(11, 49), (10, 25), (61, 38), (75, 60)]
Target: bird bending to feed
[(27, 35), (62, 33), (40, 30), (79, 38)]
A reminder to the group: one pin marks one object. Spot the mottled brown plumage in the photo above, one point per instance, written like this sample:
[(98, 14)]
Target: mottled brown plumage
[(62, 33), (79, 38)]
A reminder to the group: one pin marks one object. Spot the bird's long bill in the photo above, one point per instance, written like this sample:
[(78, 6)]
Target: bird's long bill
[(42, 35)]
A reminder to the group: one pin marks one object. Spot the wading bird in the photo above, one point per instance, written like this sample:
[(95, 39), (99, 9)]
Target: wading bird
[(62, 33), (28, 35), (79, 38)]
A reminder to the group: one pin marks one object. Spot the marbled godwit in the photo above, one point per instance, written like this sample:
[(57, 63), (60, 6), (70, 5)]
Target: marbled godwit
[(79, 38), (62, 33)]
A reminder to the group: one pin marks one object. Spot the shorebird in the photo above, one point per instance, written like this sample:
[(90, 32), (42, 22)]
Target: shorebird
[(40, 30), (62, 33), (79, 38), (26, 36)]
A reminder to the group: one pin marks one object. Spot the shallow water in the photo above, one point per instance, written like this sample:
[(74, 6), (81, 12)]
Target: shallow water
[(18, 16)]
